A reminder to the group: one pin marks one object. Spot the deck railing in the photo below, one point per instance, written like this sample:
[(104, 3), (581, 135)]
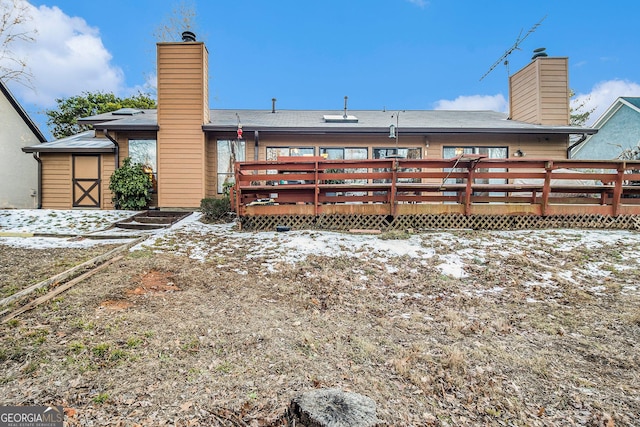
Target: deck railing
[(468, 185)]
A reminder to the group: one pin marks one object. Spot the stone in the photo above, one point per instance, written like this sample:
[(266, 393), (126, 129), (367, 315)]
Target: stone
[(333, 408)]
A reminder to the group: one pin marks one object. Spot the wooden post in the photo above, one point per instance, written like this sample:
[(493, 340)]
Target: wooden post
[(394, 177), (468, 190), (235, 200), (617, 190), (546, 190), (316, 190)]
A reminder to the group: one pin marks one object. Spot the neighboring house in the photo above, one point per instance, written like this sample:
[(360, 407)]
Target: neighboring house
[(618, 130), (191, 149), (18, 172)]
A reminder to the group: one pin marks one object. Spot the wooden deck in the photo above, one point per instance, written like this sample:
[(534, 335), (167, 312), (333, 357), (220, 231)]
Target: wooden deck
[(468, 186)]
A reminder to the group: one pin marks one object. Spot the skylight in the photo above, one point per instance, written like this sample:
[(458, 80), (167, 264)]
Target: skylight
[(126, 112), (339, 118)]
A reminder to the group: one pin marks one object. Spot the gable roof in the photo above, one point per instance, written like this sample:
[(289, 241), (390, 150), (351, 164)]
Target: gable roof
[(631, 102), (84, 142), (123, 119), (409, 122), (22, 113), (329, 121), (378, 121), (635, 101)]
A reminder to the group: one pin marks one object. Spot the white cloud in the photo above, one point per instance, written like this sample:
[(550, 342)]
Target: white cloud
[(66, 59), (603, 95), (474, 102)]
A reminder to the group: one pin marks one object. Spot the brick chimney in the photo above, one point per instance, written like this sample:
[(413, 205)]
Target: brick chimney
[(183, 107), (539, 93)]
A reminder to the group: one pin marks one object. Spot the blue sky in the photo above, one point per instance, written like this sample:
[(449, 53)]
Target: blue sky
[(394, 54)]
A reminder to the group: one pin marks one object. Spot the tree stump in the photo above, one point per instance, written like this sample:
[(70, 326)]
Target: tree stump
[(333, 408)]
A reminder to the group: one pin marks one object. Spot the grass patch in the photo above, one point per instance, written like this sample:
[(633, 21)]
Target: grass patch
[(133, 342), (100, 398), (100, 350), (76, 347), (395, 235)]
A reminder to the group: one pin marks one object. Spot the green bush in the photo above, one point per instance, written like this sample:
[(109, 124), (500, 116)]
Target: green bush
[(216, 210), (131, 186)]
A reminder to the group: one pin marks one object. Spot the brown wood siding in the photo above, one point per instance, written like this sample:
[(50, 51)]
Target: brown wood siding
[(182, 110), (206, 114), (107, 167), (523, 89), (543, 146), (56, 181), (212, 161), (554, 91), (539, 93)]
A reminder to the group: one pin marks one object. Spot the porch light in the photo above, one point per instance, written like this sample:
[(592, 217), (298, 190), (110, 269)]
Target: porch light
[(519, 153), (392, 131)]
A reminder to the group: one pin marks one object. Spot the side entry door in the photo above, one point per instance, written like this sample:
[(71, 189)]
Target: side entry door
[(86, 181)]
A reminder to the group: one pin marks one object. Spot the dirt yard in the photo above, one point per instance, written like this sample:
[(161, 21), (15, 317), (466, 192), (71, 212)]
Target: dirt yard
[(533, 337)]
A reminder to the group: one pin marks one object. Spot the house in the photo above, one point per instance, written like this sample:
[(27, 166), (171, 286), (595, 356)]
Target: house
[(18, 173), (191, 149), (618, 130)]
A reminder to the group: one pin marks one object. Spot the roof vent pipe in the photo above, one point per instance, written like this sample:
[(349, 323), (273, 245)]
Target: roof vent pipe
[(273, 105), (539, 53), (188, 36), (345, 108)]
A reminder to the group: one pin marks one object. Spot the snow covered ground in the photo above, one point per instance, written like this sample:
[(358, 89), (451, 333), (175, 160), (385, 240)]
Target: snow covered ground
[(63, 222), (453, 250), (47, 228)]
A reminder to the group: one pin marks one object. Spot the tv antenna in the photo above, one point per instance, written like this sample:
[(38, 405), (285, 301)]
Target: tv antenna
[(515, 46)]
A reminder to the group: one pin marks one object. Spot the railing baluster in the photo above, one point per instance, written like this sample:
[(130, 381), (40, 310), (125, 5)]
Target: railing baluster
[(617, 191), (418, 186)]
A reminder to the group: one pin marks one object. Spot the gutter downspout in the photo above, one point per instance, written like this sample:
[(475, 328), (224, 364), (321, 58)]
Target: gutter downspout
[(35, 156), (117, 152), (572, 146), (256, 139)]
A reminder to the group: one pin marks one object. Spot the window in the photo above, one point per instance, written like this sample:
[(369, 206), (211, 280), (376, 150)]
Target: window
[(490, 152), (274, 152), (144, 152), (344, 153), (347, 154), (229, 152), (402, 153)]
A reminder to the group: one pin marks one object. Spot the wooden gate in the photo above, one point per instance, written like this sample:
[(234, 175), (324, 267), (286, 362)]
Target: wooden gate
[(86, 181)]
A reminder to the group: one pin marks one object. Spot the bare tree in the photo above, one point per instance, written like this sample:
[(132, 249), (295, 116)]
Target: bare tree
[(14, 28), (182, 18), (579, 116)]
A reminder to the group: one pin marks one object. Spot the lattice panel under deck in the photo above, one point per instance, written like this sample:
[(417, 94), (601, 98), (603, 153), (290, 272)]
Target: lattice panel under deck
[(349, 222), (438, 221), (270, 222), (516, 222)]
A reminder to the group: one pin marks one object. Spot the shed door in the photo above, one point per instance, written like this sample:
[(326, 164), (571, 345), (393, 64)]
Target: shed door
[(86, 181)]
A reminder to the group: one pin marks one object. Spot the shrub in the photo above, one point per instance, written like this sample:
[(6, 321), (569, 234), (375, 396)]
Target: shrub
[(216, 210), (131, 186)]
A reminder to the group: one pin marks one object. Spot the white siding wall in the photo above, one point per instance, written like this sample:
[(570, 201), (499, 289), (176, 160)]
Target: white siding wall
[(18, 170)]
